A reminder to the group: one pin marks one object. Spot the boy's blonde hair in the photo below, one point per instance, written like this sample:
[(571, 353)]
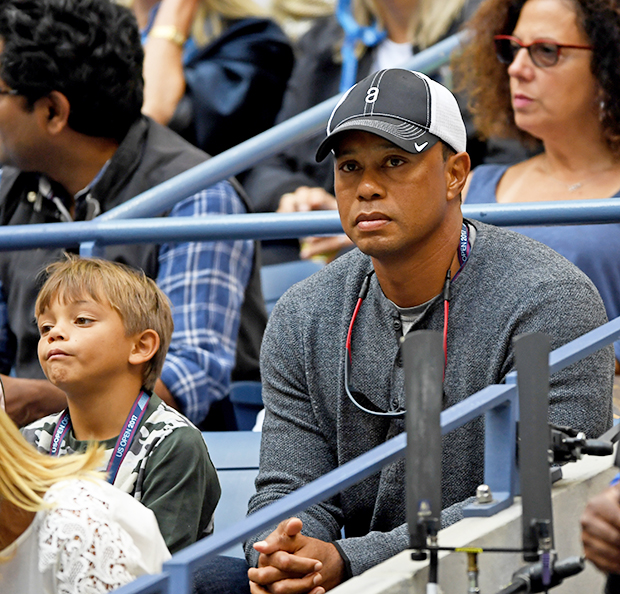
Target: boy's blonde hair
[(26, 475), (138, 300)]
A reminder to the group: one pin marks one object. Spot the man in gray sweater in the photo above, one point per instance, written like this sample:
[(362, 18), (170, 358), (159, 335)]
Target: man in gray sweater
[(400, 164)]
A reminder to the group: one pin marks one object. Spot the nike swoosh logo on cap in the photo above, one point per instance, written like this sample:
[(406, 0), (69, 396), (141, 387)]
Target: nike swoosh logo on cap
[(420, 147)]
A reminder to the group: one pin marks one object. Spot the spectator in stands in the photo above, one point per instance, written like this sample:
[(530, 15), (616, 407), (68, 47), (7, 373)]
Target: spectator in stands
[(547, 72), (293, 181), (215, 71), (400, 166), (63, 528), (74, 143), (105, 330)]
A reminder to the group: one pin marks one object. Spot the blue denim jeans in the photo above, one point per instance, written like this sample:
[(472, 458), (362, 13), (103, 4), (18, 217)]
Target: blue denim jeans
[(222, 575)]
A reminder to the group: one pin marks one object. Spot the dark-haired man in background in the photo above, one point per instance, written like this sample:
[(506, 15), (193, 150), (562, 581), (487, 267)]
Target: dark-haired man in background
[(73, 144)]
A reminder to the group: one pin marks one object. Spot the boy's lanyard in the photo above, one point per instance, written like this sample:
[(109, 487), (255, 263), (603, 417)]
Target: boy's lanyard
[(123, 443)]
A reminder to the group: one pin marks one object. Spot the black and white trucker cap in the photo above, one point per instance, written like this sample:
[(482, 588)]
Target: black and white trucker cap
[(407, 108)]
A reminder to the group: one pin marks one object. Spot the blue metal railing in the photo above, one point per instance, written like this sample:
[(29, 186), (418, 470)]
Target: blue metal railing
[(277, 226)]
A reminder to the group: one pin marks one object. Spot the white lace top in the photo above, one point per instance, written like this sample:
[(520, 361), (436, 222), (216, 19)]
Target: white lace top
[(94, 539)]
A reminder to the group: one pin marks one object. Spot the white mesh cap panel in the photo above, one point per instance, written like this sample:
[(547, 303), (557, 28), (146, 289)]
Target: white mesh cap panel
[(446, 118)]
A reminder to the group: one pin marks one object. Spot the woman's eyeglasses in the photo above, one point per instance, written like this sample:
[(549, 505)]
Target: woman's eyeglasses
[(542, 53)]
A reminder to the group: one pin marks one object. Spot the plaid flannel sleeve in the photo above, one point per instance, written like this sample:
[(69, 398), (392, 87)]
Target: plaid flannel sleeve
[(205, 282)]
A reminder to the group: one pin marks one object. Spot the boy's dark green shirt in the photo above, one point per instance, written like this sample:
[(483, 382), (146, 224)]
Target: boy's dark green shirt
[(167, 469)]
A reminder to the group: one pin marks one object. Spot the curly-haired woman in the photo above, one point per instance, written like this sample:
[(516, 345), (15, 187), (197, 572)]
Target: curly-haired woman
[(547, 72)]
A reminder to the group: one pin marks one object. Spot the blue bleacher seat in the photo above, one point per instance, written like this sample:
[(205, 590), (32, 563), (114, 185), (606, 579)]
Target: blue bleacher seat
[(246, 397), (277, 278), (246, 401), (235, 456)]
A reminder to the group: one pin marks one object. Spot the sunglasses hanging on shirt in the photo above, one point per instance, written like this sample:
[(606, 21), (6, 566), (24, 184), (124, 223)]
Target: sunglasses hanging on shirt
[(358, 398)]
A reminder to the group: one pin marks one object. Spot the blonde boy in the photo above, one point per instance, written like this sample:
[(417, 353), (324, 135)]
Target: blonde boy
[(105, 330)]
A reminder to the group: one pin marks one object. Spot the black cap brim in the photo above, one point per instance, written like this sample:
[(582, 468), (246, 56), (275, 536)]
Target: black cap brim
[(411, 138)]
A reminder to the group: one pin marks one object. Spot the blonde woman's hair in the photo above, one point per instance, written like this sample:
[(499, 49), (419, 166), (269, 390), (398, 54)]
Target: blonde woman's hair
[(430, 21), (140, 303), (26, 475), (296, 17), (302, 9), (211, 16)]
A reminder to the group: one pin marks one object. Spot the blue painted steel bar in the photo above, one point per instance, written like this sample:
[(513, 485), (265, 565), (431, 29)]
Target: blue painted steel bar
[(221, 227), (271, 225), (477, 404), (579, 348), (511, 380), (500, 460), (92, 249), (147, 584), (584, 345), (498, 403), (163, 197), (573, 212), (500, 453)]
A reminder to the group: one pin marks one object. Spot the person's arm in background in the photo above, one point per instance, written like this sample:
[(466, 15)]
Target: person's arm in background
[(600, 530), (306, 199), (205, 282), (30, 399), (164, 80)]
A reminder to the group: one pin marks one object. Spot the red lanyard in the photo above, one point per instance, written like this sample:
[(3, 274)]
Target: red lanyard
[(463, 255)]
